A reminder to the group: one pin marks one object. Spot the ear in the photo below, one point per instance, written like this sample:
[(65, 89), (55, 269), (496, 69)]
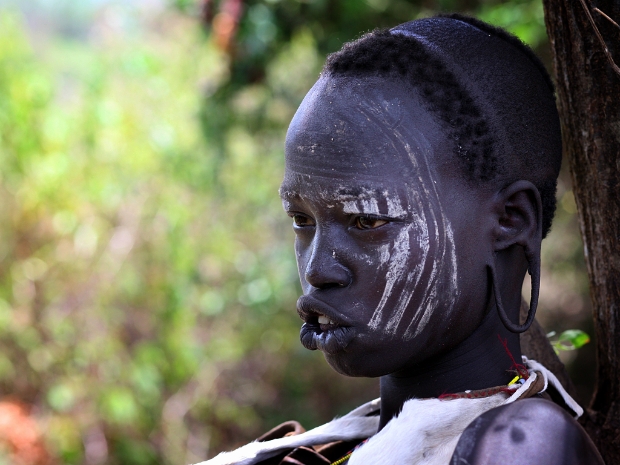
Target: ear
[(519, 217)]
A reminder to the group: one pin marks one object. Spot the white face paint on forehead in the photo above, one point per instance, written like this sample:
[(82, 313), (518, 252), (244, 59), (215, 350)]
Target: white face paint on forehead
[(363, 207), (369, 201)]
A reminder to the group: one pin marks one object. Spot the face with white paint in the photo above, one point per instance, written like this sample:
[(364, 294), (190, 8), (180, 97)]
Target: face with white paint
[(391, 266)]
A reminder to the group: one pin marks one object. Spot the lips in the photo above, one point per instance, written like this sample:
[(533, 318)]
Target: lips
[(323, 328), (310, 309)]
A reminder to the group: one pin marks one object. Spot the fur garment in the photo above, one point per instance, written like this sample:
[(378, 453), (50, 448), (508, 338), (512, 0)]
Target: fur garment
[(425, 432)]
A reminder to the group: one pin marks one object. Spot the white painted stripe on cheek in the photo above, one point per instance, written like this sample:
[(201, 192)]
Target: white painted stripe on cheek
[(432, 300), (421, 230), (397, 266), (384, 254), (444, 266), (450, 240), (428, 301)]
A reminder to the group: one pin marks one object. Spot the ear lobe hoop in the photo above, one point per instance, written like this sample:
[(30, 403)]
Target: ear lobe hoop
[(534, 271)]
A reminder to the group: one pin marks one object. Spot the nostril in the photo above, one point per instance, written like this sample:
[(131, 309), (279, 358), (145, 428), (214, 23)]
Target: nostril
[(326, 284), (331, 285)]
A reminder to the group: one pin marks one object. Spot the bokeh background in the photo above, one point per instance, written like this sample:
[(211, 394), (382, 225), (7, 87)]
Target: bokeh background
[(147, 280)]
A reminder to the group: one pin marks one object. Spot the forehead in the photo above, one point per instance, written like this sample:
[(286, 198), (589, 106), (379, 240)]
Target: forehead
[(335, 190), (360, 197), (346, 195), (372, 127)]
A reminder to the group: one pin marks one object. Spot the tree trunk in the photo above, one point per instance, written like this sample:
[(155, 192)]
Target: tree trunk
[(536, 346), (588, 87)]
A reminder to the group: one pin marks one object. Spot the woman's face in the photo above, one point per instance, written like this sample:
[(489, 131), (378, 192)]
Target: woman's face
[(389, 253)]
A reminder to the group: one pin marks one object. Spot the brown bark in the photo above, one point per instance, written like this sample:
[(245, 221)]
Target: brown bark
[(588, 88)]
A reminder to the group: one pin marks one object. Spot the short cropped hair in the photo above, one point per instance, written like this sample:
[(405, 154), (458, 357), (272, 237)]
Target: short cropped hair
[(490, 91)]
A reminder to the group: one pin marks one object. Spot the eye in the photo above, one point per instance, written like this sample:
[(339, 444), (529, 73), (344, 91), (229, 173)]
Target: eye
[(301, 221), (368, 222)]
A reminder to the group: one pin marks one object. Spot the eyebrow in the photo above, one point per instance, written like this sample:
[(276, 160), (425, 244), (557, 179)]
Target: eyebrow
[(356, 200)]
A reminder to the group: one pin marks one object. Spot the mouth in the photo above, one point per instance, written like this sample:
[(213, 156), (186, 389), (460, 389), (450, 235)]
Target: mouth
[(325, 321), (323, 329), (318, 319)]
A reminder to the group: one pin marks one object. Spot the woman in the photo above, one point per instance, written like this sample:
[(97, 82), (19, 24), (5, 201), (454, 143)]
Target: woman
[(420, 176)]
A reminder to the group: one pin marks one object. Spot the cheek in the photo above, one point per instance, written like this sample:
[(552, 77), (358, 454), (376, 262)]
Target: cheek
[(400, 272), (300, 257), (436, 288), (419, 273), (372, 263)]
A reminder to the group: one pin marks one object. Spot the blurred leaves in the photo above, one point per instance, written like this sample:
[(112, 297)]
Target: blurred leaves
[(523, 18), (141, 259), (255, 31), (571, 339)]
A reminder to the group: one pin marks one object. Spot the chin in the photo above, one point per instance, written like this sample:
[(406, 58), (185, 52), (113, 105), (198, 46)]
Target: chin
[(357, 365)]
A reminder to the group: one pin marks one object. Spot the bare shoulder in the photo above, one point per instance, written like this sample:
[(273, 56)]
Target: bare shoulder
[(531, 431)]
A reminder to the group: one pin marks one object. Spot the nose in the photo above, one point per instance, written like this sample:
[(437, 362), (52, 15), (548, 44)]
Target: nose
[(324, 269)]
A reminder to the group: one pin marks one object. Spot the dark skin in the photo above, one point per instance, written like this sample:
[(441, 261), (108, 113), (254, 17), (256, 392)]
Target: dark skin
[(525, 432), (392, 248)]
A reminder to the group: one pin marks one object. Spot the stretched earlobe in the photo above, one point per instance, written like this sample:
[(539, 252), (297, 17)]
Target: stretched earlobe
[(534, 270), (524, 229)]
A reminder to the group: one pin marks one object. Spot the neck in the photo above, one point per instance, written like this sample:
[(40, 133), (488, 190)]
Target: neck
[(479, 362)]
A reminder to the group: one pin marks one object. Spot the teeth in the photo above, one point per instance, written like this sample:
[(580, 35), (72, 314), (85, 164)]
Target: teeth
[(323, 320)]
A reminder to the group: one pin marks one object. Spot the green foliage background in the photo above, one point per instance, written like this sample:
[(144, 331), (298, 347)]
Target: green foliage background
[(147, 281)]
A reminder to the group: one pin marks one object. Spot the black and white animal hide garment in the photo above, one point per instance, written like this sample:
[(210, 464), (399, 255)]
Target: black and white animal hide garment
[(425, 432)]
